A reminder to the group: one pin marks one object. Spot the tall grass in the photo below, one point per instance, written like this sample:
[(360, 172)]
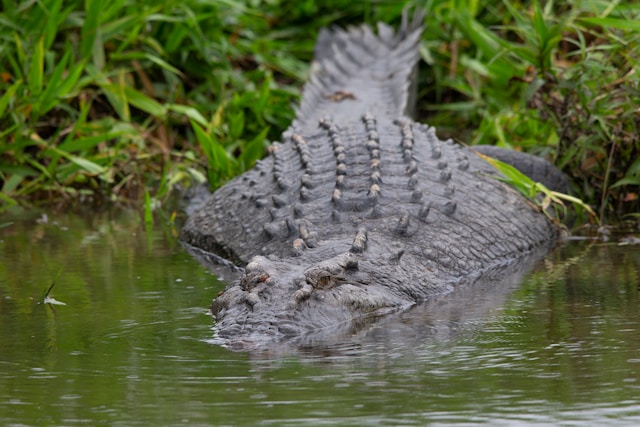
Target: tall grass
[(112, 100), (556, 78), (106, 99)]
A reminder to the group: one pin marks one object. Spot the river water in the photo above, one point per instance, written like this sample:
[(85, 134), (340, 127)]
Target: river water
[(133, 343)]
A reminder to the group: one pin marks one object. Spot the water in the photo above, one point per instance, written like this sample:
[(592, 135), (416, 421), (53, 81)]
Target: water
[(132, 344)]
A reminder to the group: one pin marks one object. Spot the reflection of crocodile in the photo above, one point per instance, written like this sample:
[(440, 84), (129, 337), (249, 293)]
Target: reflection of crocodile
[(360, 211)]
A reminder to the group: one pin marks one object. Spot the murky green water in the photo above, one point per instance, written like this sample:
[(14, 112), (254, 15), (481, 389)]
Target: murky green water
[(131, 345)]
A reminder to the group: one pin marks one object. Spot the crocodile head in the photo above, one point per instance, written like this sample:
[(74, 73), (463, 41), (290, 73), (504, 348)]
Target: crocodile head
[(288, 299)]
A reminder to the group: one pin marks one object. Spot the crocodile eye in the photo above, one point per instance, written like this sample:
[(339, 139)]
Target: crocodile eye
[(324, 280)]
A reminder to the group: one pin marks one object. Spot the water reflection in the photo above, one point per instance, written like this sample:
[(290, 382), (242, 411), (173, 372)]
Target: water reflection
[(129, 348)]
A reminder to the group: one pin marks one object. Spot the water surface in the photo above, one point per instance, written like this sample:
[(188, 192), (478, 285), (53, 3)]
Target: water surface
[(132, 345)]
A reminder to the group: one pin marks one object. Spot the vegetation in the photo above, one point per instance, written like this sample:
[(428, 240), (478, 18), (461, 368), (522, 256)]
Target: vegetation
[(540, 194), (112, 101)]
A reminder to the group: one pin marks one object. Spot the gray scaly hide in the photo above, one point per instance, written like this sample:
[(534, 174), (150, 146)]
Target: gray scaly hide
[(359, 211)]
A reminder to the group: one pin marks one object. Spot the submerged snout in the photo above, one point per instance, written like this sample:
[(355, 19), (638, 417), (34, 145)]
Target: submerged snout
[(280, 299)]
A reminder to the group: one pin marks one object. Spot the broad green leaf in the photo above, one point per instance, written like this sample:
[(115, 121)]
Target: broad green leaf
[(144, 102)]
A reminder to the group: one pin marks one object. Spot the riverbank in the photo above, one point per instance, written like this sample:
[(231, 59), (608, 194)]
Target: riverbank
[(115, 103)]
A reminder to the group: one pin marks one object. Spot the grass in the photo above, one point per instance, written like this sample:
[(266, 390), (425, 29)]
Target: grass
[(550, 202), (124, 101), (556, 79)]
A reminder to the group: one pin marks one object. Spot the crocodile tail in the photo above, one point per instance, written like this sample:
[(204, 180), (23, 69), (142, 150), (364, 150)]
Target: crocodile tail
[(355, 71)]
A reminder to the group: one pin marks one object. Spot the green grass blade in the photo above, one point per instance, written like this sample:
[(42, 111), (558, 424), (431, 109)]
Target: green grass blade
[(21, 57), (36, 67), (52, 21), (115, 93), (620, 24), (144, 102), (119, 26), (531, 189), (218, 160), (539, 25), (89, 142), (11, 183), (148, 209), (164, 64), (89, 30), (8, 96), (87, 165), (49, 97), (70, 82), (7, 199), (190, 112), (254, 150), (97, 52), (511, 175)]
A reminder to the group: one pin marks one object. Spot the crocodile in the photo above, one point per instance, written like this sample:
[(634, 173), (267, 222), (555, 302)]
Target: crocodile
[(360, 211)]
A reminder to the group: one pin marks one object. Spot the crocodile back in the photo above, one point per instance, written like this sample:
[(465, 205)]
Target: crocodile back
[(434, 201)]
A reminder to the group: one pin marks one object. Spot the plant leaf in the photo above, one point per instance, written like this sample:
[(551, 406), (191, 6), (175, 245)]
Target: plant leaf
[(87, 165), (36, 68), (188, 111), (620, 24), (144, 102), (253, 150), (8, 96)]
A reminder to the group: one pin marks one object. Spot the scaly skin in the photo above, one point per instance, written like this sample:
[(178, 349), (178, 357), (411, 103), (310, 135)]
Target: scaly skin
[(359, 211)]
